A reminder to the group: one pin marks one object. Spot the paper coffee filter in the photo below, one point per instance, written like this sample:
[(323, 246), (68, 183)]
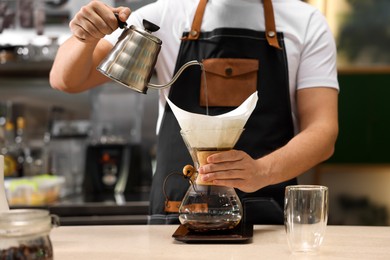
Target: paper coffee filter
[(200, 130)]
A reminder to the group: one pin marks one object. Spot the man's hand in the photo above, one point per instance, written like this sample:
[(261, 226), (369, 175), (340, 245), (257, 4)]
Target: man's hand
[(96, 20), (236, 169)]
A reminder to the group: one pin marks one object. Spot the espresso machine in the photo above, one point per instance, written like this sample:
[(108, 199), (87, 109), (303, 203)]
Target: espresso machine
[(114, 154), (112, 169)]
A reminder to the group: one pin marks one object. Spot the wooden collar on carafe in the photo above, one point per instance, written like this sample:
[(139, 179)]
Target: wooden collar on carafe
[(270, 28)]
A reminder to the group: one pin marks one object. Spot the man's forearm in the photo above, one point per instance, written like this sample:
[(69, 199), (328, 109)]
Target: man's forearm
[(303, 152), (73, 66)]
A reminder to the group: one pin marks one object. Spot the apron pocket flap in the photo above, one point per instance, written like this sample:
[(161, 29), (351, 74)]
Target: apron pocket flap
[(230, 67), (229, 82)]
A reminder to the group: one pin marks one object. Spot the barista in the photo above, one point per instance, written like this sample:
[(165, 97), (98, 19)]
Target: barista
[(292, 59)]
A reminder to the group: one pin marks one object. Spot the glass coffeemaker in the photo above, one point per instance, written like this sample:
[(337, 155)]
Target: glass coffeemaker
[(205, 206)]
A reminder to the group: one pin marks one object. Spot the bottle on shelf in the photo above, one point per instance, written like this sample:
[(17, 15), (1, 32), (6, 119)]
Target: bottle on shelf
[(9, 150)]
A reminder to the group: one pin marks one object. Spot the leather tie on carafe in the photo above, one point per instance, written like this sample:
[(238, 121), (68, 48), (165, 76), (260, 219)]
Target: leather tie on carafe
[(270, 27)]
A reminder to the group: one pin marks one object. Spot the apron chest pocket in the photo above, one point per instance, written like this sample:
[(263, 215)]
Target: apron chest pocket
[(229, 81)]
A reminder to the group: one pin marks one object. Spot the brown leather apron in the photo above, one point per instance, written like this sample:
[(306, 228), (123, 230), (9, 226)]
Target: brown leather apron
[(252, 60)]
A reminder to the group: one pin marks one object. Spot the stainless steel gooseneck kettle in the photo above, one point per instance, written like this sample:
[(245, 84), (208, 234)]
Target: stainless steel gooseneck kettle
[(132, 60)]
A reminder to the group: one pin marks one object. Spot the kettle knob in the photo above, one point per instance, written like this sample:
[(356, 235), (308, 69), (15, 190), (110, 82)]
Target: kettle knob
[(151, 27)]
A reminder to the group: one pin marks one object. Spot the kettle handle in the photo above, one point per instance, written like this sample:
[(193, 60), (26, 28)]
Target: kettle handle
[(176, 76), (121, 24)]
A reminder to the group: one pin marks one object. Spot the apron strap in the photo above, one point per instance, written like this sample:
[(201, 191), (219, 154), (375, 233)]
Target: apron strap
[(197, 22), (270, 27)]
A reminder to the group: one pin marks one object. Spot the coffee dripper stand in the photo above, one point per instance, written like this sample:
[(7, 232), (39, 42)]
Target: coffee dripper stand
[(208, 207)]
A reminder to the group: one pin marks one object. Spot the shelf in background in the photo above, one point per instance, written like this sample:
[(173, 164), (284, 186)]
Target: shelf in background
[(20, 69)]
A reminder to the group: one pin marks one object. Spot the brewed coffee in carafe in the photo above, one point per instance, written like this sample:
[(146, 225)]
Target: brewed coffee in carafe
[(206, 206)]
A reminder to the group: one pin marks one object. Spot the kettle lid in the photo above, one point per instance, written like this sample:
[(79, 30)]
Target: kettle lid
[(147, 32)]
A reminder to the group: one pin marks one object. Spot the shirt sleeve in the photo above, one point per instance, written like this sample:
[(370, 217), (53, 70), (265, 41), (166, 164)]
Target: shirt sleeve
[(318, 66)]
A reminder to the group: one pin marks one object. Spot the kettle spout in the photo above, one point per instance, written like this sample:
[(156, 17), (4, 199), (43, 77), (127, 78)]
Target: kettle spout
[(177, 75)]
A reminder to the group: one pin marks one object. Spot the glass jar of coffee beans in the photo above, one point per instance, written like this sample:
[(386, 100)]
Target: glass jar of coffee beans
[(25, 234)]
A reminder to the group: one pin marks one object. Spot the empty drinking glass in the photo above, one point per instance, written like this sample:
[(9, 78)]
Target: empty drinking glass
[(306, 216)]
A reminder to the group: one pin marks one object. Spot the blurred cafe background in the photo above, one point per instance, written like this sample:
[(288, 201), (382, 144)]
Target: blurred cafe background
[(89, 157)]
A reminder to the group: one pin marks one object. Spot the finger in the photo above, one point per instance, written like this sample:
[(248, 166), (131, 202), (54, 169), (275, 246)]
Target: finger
[(96, 20), (220, 167), (108, 21), (84, 29), (221, 175), (231, 155), (81, 34), (123, 13), (102, 18), (83, 24), (234, 183)]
